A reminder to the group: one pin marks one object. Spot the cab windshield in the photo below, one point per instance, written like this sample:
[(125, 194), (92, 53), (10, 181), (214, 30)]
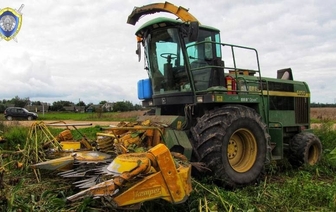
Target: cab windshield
[(168, 66)]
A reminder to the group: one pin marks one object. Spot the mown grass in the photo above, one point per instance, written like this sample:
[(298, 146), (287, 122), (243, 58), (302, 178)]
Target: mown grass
[(283, 188), (104, 116), (108, 116)]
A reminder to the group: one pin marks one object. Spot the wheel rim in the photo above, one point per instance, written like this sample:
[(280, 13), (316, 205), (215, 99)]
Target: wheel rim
[(313, 155), (242, 150)]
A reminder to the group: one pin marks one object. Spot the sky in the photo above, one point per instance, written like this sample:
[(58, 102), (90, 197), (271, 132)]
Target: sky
[(83, 50)]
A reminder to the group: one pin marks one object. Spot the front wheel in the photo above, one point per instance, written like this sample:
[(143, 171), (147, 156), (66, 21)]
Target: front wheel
[(29, 118), (305, 148), (232, 141)]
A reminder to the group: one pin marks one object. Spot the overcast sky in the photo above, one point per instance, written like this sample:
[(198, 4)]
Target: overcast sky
[(84, 50)]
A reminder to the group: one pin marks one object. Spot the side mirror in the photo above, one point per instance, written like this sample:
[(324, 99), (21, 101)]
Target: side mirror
[(138, 51), (193, 31)]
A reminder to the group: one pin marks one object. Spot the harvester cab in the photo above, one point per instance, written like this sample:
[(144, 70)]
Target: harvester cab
[(184, 63)]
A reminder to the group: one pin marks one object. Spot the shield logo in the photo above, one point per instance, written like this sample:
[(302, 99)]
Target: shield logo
[(10, 23)]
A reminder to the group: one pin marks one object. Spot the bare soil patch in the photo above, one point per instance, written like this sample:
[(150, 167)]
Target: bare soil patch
[(323, 113)]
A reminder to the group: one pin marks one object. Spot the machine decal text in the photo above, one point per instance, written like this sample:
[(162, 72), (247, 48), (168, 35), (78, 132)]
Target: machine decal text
[(249, 99), (145, 193), (301, 93)]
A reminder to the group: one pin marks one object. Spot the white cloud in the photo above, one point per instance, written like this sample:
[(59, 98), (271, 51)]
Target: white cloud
[(71, 50)]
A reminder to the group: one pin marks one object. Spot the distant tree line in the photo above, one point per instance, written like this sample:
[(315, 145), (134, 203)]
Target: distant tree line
[(120, 106), (322, 105)]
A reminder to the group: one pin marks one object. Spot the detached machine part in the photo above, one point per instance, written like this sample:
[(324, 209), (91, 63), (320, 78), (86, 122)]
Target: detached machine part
[(62, 151), (141, 177), (125, 173), (65, 138), (67, 162)]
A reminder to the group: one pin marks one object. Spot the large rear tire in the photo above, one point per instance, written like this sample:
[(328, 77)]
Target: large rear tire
[(232, 141), (305, 148)]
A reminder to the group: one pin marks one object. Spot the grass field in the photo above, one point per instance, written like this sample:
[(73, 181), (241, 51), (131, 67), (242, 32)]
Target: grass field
[(108, 116)]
